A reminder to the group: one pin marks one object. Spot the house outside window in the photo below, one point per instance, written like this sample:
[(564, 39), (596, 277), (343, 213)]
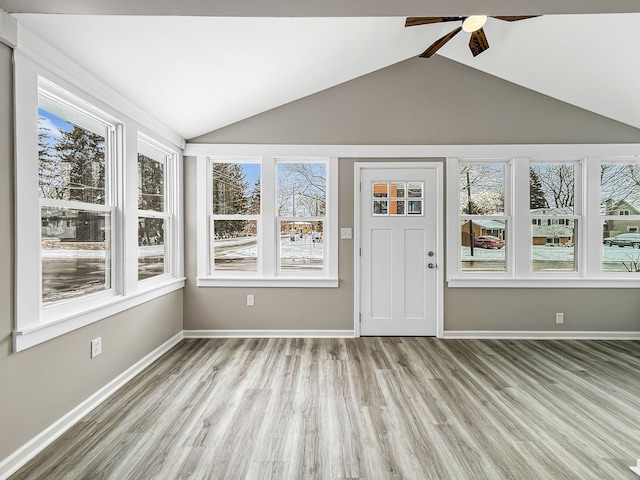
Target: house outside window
[(561, 224)]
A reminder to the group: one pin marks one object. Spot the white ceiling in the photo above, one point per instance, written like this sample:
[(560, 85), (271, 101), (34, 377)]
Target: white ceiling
[(196, 74)]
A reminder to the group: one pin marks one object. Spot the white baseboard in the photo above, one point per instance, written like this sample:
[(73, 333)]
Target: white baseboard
[(268, 334), (539, 335), (20, 457)]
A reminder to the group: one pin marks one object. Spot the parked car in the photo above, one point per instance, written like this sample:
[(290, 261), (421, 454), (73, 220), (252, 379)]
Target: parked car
[(624, 240), (488, 241)]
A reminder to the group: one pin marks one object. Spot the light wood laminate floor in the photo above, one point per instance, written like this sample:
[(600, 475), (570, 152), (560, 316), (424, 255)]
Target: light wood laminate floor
[(367, 408)]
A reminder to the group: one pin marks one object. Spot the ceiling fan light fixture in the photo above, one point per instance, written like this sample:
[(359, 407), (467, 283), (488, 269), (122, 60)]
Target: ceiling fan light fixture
[(474, 23)]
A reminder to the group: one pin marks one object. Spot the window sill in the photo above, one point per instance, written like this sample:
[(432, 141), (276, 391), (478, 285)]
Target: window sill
[(29, 337), (543, 282), (288, 282)]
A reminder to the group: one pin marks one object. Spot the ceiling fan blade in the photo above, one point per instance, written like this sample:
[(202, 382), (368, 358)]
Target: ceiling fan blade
[(438, 44), (413, 21), (515, 18), (478, 42)]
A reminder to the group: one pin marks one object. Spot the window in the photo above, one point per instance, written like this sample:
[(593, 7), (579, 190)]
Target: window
[(620, 195), (78, 213), (155, 219), (553, 221), (397, 198), (482, 201), (267, 221), (75, 161)]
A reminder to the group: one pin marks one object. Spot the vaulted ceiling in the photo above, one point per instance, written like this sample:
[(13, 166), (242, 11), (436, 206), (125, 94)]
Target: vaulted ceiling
[(197, 65)]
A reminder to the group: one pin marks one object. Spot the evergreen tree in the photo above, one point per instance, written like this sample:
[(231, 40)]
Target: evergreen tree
[(82, 155), (229, 197), (254, 200), (150, 184), (537, 197)]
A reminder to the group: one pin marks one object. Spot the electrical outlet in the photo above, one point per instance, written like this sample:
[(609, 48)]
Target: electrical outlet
[(559, 318), (96, 347), (251, 300)]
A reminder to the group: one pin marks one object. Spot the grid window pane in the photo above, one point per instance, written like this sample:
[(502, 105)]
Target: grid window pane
[(621, 245), (71, 158), (483, 246), (482, 189), (235, 245), (553, 245), (301, 245), (620, 189), (551, 188), (151, 247), (151, 183), (76, 253), (302, 189), (236, 189)]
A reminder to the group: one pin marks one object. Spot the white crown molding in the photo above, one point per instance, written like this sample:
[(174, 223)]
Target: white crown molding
[(45, 55), (8, 29), (415, 151), (20, 457), (268, 334), (538, 335)]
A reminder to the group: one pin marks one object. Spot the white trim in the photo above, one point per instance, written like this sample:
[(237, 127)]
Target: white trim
[(268, 334), (52, 59), (439, 220), (539, 335), (542, 282), (29, 337), (8, 29), (414, 151), (288, 282), (636, 468), (20, 457)]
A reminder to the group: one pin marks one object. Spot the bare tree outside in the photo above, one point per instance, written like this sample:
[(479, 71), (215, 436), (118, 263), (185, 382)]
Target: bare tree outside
[(556, 183), (302, 189)]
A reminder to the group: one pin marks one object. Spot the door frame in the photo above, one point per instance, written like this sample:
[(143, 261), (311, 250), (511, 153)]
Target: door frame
[(438, 166)]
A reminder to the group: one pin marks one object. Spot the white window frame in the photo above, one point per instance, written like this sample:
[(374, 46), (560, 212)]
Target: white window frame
[(519, 272), (169, 214), (268, 274), (33, 323)]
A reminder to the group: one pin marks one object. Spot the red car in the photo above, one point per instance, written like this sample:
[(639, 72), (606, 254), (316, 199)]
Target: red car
[(488, 241)]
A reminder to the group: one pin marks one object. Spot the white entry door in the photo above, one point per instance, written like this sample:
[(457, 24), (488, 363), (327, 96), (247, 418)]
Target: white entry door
[(399, 236)]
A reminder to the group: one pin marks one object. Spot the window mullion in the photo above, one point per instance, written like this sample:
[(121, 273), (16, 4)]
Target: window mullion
[(269, 237), (521, 243)]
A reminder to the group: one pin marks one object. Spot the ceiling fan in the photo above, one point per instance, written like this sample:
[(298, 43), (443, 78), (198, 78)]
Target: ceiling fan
[(472, 24)]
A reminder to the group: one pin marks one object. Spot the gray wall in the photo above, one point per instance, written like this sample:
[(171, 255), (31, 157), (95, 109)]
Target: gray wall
[(41, 384), (435, 101)]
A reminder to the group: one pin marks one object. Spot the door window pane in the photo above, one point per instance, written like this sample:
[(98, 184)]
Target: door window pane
[(76, 253), (483, 246), (381, 189), (151, 247), (235, 245), (482, 189), (551, 188), (553, 246), (301, 246)]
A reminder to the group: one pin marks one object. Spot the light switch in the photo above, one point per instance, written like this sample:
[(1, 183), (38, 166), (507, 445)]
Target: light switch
[(346, 234)]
